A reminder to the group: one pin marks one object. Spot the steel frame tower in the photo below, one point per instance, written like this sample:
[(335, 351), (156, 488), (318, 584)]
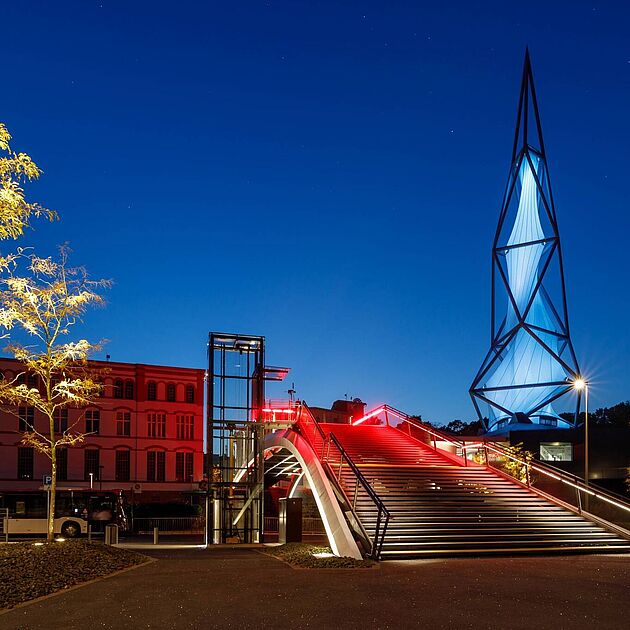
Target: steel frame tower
[(235, 397), (531, 361)]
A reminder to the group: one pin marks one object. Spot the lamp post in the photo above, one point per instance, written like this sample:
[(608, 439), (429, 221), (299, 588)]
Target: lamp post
[(580, 384)]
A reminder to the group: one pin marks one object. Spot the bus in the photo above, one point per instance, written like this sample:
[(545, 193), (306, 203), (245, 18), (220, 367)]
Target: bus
[(76, 509)]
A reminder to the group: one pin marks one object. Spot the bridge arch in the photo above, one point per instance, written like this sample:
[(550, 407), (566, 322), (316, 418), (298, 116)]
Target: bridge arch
[(340, 537)]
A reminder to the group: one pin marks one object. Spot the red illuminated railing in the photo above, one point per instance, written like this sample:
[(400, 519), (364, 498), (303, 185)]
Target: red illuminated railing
[(336, 460), (392, 417), (280, 411)]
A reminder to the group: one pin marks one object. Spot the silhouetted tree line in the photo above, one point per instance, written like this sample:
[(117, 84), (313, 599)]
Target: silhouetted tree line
[(616, 416)]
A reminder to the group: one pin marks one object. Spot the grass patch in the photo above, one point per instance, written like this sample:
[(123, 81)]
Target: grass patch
[(302, 555), (28, 571)]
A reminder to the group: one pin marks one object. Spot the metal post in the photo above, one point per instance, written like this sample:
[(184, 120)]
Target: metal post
[(586, 471), (89, 533), (374, 552), (156, 535), (356, 491)]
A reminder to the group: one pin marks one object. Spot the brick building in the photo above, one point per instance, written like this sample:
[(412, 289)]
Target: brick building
[(145, 435)]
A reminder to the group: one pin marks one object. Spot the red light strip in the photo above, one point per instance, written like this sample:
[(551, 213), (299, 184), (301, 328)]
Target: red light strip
[(369, 415)]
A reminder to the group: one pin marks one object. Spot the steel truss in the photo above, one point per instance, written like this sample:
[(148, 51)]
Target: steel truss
[(515, 327)]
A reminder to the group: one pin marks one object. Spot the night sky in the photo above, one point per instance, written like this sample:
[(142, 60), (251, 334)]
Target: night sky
[(326, 174)]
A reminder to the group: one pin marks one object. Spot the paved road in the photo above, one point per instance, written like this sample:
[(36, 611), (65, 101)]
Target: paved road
[(238, 588)]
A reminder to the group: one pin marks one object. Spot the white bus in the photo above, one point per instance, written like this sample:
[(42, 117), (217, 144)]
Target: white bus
[(26, 512)]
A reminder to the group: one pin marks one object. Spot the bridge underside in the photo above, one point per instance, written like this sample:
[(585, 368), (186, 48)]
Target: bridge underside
[(288, 453)]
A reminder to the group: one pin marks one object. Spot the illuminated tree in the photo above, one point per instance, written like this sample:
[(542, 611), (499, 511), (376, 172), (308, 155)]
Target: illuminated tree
[(15, 170), (42, 299)]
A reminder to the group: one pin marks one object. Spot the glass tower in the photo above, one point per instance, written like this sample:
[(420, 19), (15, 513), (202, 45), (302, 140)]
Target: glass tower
[(531, 361)]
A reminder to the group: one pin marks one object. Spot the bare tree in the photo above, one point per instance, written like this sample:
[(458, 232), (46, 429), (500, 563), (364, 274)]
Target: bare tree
[(45, 303)]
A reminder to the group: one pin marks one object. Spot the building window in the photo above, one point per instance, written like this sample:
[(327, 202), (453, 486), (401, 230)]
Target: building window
[(30, 380), (548, 422), (61, 420), (556, 451), (184, 466), (129, 390), (25, 462), (156, 425), (118, 388), (93, 421), (190, 393), (123, 467), (185, 427), (170, 392), (91, 464), (62, 464), (26, 419), (156, 466), (151, 391), (123, 423)]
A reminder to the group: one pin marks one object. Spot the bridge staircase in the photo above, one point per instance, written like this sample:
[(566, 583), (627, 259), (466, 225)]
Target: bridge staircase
[(410, 493)]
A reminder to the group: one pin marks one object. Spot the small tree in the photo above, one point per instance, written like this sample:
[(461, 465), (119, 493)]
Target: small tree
[(15, 170), (514, 468), (45, 304)]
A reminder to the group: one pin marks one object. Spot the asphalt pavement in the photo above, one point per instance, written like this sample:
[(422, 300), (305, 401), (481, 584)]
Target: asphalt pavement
[(242, 588)]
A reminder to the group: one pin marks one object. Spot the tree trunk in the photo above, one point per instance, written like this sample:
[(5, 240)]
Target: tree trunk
[(53, 491)]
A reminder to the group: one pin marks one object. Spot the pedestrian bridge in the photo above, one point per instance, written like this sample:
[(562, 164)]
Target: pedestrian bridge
[(389, 487)]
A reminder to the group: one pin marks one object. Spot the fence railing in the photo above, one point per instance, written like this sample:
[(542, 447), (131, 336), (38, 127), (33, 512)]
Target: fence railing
[(604, 507), (170, 525), (336, 460), (309, 525), (4, 529), (595, 504), (434, 438)]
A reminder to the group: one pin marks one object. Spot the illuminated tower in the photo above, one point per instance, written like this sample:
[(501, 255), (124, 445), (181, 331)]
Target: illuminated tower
[(531, 361)]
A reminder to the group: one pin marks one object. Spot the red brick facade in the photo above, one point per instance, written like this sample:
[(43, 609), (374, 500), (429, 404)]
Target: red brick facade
[(146, 435)]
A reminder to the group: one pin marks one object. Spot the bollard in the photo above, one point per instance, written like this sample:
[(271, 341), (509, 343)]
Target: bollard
[(111, 534), (89, 533), (156, 533)]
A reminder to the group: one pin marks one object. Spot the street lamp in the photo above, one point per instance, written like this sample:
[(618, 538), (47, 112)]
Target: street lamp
[(580, 384)]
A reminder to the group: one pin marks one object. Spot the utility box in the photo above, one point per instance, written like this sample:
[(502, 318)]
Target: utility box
[(290, 521), (111, 534)]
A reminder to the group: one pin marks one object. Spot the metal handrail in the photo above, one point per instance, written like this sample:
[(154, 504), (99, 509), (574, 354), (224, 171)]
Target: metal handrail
[(383, 516), (548, 470), (559, 475), (434, 433), (301, 423)]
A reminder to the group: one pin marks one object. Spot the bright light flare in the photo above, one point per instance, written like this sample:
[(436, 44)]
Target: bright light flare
[(579, 384)]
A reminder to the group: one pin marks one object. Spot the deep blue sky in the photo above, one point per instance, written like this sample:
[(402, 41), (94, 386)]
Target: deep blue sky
[(327, 174)]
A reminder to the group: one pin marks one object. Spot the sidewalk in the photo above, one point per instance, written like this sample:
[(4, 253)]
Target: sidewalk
[(232, 587)]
